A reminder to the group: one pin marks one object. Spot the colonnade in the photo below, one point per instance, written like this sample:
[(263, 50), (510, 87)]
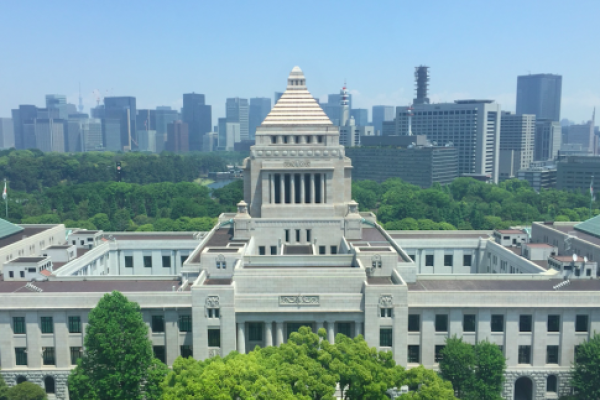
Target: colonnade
[(297, 188)]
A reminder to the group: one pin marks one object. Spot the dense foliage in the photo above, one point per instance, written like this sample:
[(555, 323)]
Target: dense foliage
[(33, 170), (476, 372), (307, 367), (117, 363), (586, 369), (25, 391), (468, 204)]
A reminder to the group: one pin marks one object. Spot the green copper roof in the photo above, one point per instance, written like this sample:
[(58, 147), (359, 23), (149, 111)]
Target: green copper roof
[(7, 229), (591, 226)]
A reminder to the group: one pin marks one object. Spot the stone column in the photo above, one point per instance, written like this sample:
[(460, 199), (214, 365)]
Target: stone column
[(241, 337), (302, 188), (322, 188), (293, 188), (7, 348), (279, 332), (269, 333), (272, 182), (358, 330), (312, 188), (330, 330), (171, 336), (282, 188)]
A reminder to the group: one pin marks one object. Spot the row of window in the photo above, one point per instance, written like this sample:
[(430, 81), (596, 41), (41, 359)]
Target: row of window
[(296, 139), (448, 260), (497, 323), (298, 235), (166, 261), (184, 322)]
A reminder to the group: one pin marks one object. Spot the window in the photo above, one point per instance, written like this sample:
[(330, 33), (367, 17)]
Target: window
[(186, 351), (552, 355), (214, 338), (213, 313), (497, 323), (255, 331), (22, 274), (553, 323), (128, 261), (333, 249), (469, 321), (147, 261), (345, 328), (551, 384), (48, 356), (158, 323), (467, 259), (441, 323), (385, 337), (47, 325), (581, 323), (287, 235), (385, 312), (273, 250), (185, 323), (166, 261), (414, 322), (414, 353), (438, 352), (308, 235), (448, 260), (322, 250), (11, 274), (297, 235), (19, 325), (74, 324), (75, 354), (411, 256), (261, 250), (21, 355), (524, 323), (159, 352), (183, 258), (524, 354), (429, 260), (273, 139)]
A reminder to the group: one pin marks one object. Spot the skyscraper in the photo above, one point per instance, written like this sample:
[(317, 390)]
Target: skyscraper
[(24, 114), (7, 133), (198, 116), (380, 114), (123, 109), (422, 84), (516, 143), (539, 94), (236, 110), (361, 116), (259, 109), (177, 137), (49, 134), (58, 102), (547, 141)]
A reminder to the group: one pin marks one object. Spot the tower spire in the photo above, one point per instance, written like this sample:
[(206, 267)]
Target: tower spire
[(80, 107)]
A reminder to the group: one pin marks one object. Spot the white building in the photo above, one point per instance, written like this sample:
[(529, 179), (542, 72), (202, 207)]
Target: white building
[(516, 143), (298, 253)]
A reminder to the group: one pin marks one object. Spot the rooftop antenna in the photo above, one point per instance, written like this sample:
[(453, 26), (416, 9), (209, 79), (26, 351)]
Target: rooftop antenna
[(80, 99)]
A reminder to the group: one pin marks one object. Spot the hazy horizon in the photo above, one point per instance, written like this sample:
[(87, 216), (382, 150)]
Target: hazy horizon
[(157, 51)]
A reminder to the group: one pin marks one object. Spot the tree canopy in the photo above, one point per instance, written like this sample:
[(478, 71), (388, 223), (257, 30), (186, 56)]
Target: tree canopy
[(307, 367), (118, 362), (26, 391), (586, 369)]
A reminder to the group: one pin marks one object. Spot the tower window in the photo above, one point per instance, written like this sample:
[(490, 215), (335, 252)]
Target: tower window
[(285, 139), (319, 139), (273, 139)]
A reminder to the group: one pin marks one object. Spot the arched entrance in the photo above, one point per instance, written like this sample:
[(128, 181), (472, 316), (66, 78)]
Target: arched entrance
[(523, 389), (21, 379), (49, 384)]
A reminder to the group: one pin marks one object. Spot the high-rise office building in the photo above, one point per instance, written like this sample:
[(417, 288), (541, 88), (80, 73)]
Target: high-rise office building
[(233, 135), (7, 133), (177, 137), (222, 131), (539, 94), (516, 143), (49, 134), (111, 133), (582, 135), (236, 110), (361, 116), (259, 109), (24, 139), (473, 126), (164, 116), (124, 109), (83, 134), (146, 140), (145, 120), (59, 103), (547, 140), (381, 114), (198, 116), (98, 111)]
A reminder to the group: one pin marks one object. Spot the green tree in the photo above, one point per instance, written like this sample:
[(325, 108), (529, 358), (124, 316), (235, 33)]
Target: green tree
[(458, 364), (586, 369), (3, 389), (117, 362), (490, 365), (101, 221), (26, 391)]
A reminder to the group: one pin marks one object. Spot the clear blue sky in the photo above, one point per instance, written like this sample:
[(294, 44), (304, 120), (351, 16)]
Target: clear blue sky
[(157, 50)]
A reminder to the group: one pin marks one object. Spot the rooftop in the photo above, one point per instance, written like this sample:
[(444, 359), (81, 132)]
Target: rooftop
[(511, 231), (218, 281), (493, 285), (298, 250), (434, 235), (59, 246), (538, 245), (25, 233), (379, 280), (92, 286), (27, 260)]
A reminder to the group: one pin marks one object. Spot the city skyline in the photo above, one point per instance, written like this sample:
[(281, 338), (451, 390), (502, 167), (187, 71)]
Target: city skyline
[(111, 65)]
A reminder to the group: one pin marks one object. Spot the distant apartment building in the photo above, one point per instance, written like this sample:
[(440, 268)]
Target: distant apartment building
[(237, 111), (380, 115), (177, 137), (198, 115), (472, 126), (259, 109), (548, 139), (516, 143), (539, 94), (7, 133), (539, 174), (577, 172)]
